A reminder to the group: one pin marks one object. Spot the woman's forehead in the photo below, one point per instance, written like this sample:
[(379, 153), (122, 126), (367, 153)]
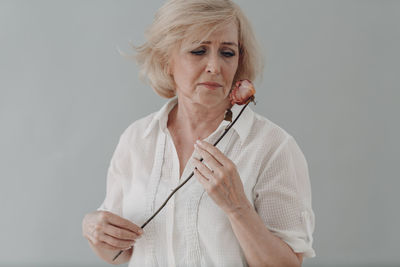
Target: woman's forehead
[(223, 35)]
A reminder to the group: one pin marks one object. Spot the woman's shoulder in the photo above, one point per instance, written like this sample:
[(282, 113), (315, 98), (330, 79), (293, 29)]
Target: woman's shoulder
[(136, 128), (264, 128), (273, 140), (143, 126)]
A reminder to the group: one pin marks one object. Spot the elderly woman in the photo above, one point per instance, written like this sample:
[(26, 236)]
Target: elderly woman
[(250, 201)]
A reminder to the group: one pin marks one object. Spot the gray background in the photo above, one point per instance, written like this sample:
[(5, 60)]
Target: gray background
[(331, 80)]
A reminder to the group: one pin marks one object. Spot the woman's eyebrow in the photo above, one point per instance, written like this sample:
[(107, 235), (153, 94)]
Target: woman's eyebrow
[(224, 43), (230, 43)]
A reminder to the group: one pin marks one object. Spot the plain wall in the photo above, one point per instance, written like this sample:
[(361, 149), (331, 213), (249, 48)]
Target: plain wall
[(331, 80)]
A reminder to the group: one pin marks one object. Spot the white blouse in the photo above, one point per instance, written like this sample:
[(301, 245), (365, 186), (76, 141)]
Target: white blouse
[(192, 230)]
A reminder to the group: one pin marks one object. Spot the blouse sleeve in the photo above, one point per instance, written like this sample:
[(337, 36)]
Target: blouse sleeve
[(282, 198), (115, 176)]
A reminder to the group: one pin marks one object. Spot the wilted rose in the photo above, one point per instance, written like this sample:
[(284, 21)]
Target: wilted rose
[(242, 93)]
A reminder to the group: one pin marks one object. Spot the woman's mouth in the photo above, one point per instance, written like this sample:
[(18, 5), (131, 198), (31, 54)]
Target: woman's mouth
[(211, 85)]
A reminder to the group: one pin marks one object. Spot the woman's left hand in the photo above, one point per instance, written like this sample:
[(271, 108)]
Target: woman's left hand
[(221, 179)]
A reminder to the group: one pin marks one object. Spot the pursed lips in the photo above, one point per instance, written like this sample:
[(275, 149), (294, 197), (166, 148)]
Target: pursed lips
[(211, 85)]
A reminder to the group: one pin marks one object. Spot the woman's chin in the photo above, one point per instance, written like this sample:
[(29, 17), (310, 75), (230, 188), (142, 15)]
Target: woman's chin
[(212, 101)]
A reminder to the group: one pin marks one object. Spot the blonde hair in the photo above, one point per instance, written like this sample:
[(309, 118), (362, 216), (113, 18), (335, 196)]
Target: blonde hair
[(179, 20)]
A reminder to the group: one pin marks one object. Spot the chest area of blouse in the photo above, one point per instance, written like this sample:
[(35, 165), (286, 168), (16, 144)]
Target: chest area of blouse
[(181, 146), (186, 217), (184, 153)]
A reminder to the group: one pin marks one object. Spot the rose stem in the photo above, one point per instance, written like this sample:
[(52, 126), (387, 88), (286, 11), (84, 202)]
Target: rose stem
[(187, 179)]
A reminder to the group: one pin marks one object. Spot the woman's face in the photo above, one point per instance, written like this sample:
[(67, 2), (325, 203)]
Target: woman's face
[(204, 73)]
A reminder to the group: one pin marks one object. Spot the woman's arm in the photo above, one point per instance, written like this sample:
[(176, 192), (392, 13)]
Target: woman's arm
[(223, 184), (260, 246)]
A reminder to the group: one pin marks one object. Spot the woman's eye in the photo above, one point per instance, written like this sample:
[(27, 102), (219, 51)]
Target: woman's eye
[(203, 51), (198, 52), (228, 54)]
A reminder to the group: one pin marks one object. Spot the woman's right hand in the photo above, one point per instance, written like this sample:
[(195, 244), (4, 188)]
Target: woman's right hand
[(106, 230)]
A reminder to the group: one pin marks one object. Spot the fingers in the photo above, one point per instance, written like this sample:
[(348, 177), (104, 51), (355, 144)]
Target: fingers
[(101, 244), (107, 230), (122, 223), (209, 181), (120, 233), (218, 175), (216, 160), (201, 178), (205, 172), (100, 236), (208, 158), (214, 152), (115, 242)]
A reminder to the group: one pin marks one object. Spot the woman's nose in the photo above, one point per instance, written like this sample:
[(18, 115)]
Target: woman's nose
[(213, 65)]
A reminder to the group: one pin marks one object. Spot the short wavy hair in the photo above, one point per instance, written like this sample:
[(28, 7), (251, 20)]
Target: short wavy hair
[(179, 20)]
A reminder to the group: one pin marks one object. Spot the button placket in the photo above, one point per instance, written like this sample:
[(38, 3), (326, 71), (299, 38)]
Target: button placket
[(154, 183), (196, 192), (171, 206)]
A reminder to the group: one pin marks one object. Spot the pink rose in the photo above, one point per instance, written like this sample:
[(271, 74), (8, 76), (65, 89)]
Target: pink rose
[(242, 93)]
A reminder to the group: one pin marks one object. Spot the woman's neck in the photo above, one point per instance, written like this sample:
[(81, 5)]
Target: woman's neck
[(196, 121)]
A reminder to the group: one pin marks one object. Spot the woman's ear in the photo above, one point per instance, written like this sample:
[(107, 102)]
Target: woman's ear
[(170, 62), (169, 68), (169, 71)]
